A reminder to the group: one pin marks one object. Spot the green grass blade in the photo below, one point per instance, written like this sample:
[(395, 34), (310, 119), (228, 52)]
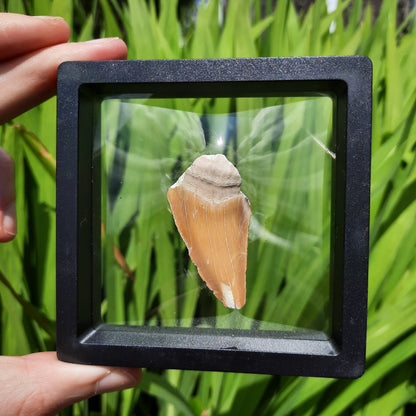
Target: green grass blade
[(33, 313), (110, 24), (392, 359), (157, 386), (38, 149)]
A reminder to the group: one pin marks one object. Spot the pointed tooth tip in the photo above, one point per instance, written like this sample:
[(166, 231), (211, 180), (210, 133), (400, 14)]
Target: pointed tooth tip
[(228, 296)]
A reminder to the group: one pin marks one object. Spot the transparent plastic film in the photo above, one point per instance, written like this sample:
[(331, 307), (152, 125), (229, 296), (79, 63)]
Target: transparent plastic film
[(283, 151)]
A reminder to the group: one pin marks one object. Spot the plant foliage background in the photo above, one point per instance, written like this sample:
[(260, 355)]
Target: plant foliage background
[(246, 28)]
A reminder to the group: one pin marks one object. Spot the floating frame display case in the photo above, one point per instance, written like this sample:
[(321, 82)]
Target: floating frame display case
[(82, 336)]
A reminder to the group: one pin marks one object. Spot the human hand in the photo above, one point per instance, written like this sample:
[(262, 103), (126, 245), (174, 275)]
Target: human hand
[(40, 385), (31, 49)]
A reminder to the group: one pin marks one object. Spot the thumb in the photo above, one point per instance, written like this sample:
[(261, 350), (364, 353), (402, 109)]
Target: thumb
[(7, 198), (40, 385)]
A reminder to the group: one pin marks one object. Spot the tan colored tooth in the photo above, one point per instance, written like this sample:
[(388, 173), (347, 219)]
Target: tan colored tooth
[(212, 216)]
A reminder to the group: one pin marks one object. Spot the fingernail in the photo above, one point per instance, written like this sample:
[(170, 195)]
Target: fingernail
[(9, 219), (118, 379), (102, 40), (50, 18)]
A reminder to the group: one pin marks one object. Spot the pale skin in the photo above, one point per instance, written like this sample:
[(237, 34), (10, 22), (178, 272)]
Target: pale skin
[(31, 49)]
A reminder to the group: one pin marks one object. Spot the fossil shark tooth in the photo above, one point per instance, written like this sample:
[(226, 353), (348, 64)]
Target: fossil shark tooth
[(212, 216)]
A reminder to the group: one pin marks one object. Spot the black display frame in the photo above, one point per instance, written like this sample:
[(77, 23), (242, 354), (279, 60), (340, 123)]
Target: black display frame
[(83, 338)]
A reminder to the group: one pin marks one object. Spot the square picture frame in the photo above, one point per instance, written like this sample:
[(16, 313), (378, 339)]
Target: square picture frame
[(82, 337)]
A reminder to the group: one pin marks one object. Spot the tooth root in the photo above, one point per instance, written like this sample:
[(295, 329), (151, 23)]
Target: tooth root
[(212, 216)]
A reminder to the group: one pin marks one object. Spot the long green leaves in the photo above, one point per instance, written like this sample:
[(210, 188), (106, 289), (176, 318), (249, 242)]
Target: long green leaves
[(142, 232)]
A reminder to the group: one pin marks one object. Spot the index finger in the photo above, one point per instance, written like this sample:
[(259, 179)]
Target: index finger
[(21, 34)]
